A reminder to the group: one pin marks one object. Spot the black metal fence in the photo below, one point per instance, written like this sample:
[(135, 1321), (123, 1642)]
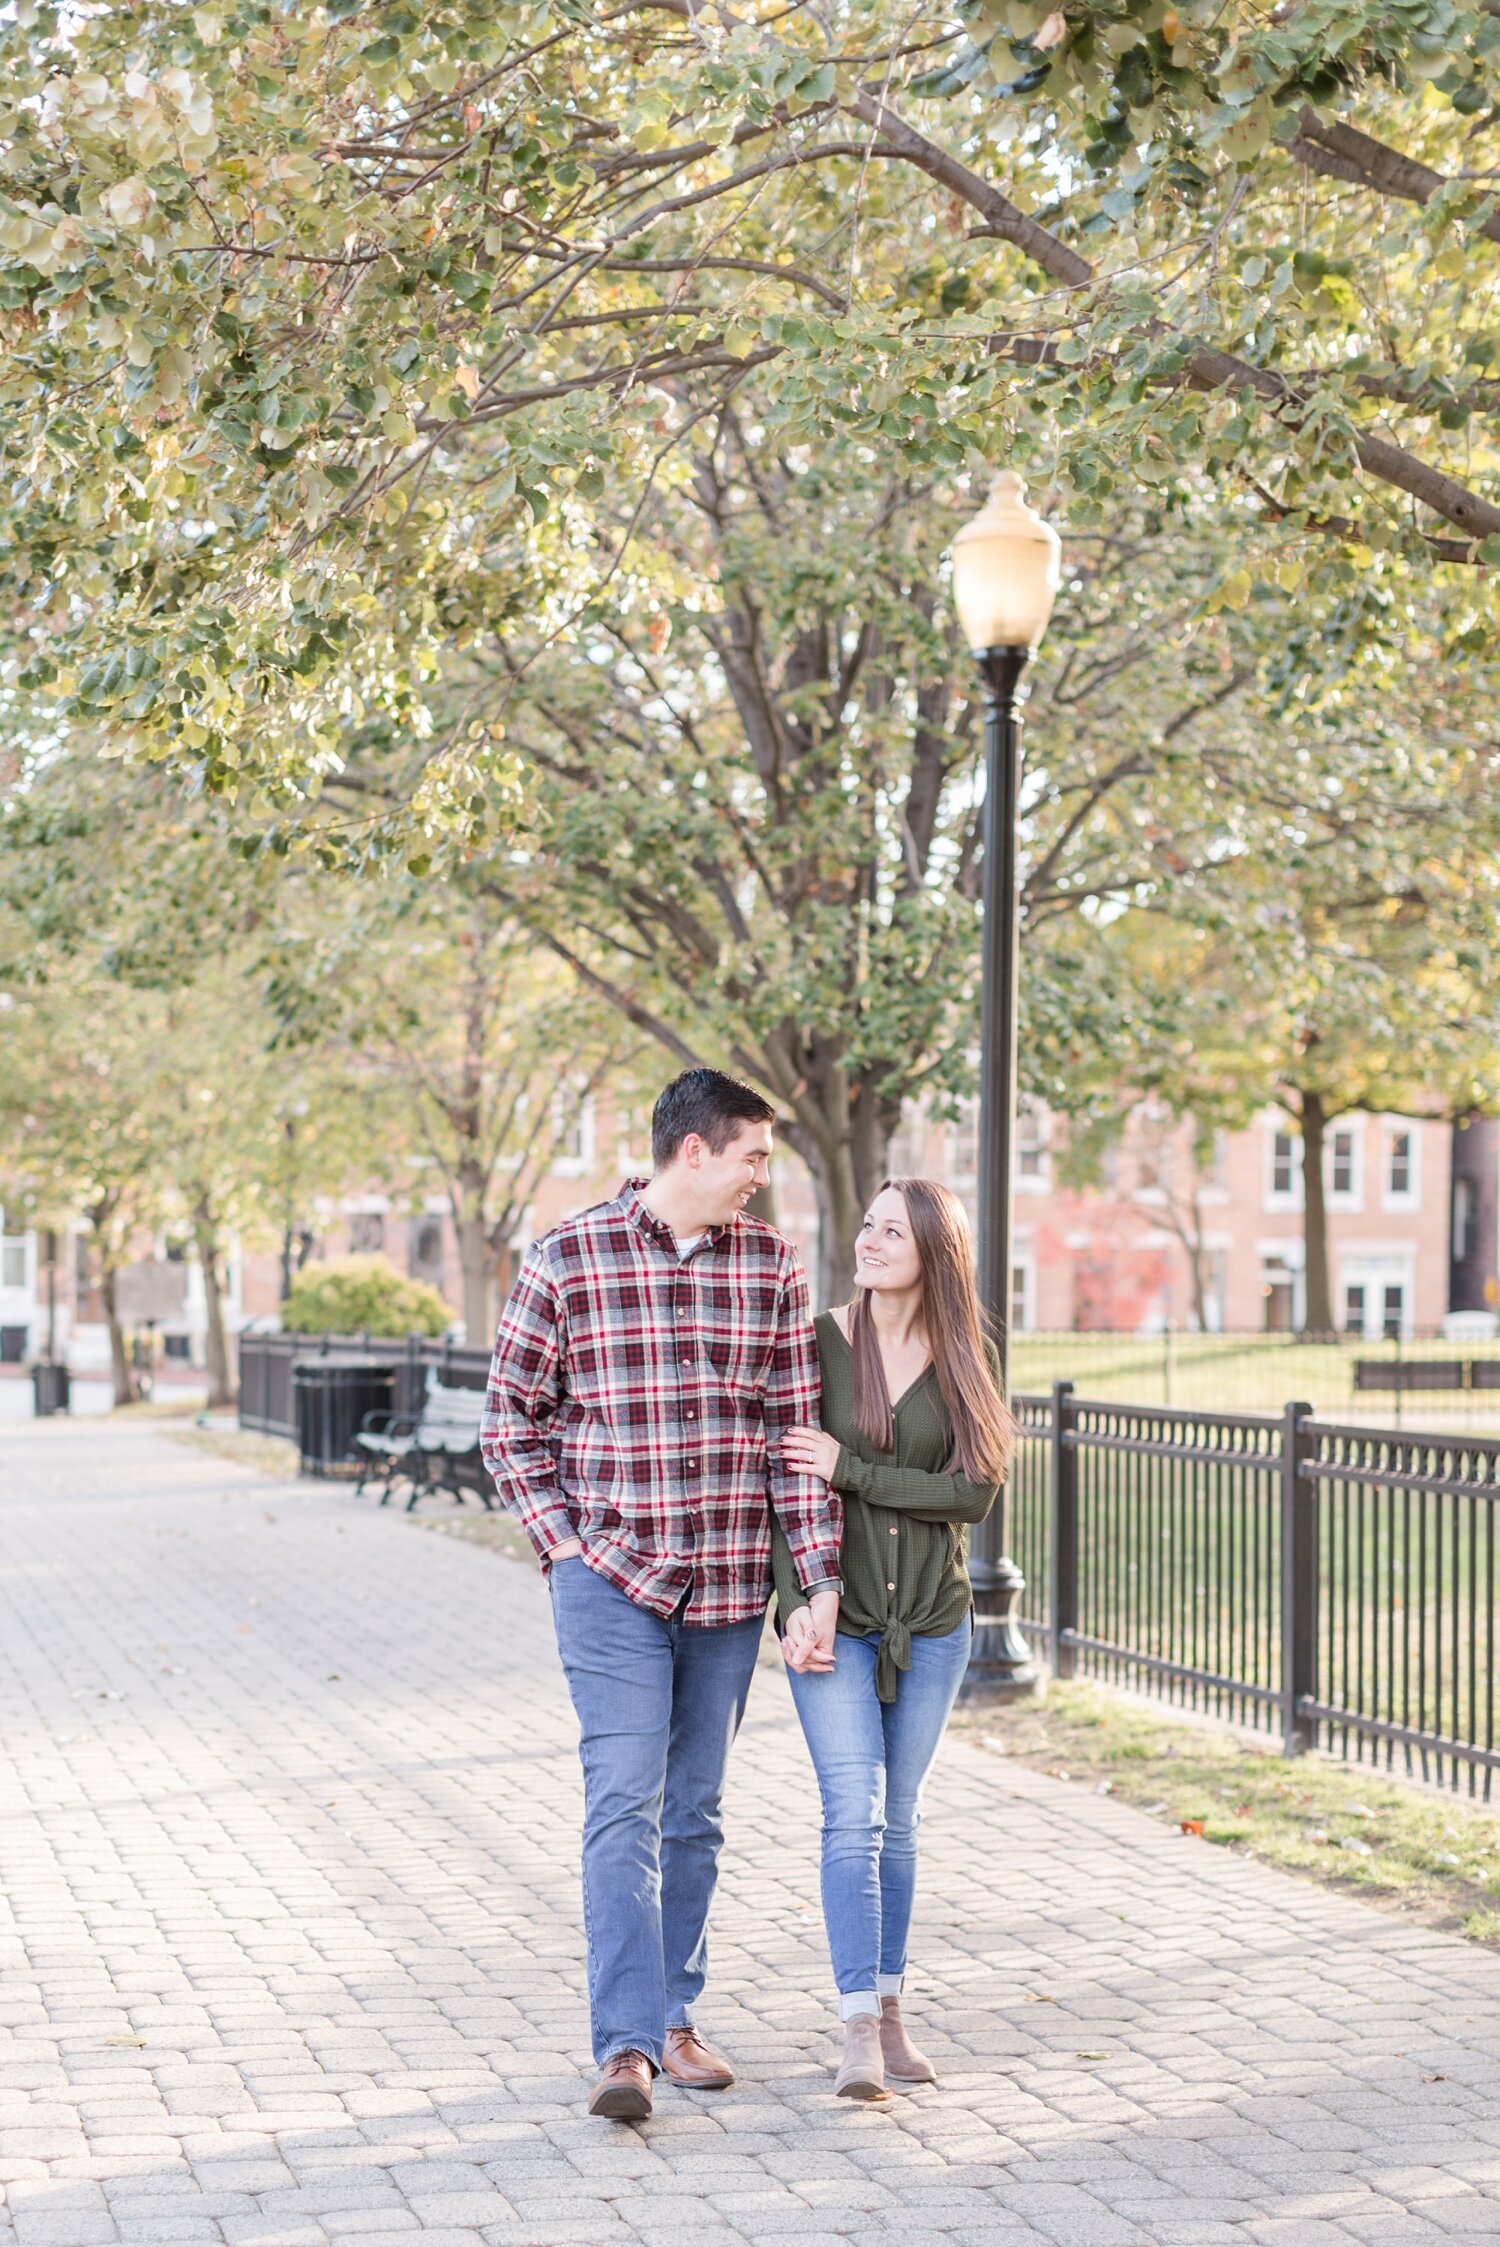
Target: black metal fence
[(266, 1362), (1327, 1582), (1334, 1584)]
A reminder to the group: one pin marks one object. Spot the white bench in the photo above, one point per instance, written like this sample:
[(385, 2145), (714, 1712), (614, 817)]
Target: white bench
[(437, 1448)]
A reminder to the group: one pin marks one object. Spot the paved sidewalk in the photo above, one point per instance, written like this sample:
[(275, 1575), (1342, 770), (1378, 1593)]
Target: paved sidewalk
[(289, 1950)]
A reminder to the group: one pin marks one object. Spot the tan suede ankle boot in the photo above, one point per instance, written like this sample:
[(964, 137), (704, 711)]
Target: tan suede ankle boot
[(862, 2075), (903, 2062)]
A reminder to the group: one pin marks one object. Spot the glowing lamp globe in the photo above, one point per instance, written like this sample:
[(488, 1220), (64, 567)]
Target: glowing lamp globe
[(1006, 565)]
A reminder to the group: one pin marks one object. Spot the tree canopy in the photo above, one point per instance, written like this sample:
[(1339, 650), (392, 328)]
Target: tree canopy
[(326, 330)]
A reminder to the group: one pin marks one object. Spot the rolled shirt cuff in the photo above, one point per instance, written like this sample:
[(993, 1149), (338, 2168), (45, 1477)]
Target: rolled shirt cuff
[(547, 1527), (824, 1584)]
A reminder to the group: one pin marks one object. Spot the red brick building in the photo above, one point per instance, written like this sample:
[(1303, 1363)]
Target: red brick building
[(1154, 1237)]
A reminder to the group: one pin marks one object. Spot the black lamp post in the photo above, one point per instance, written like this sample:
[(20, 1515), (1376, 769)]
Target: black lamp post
[(1006, 564)]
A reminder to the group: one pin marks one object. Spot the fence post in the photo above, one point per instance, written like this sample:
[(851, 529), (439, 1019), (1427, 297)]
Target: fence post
[(1062, 1572), (1299, 1582)]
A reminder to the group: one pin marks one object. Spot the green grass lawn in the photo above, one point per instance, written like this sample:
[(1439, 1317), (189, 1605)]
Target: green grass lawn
[(1406, 1848), (1249, 1373)]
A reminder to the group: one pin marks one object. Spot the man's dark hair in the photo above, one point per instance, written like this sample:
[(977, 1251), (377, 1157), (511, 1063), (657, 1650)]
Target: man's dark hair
[(709, 1103)]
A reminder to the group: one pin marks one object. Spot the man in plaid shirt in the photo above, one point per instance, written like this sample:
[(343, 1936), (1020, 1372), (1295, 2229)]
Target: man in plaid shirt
[(653, 1351)]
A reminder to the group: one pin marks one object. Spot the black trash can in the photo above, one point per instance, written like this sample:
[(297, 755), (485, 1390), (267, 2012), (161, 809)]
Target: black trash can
[(50, 1389), (331, 1402)]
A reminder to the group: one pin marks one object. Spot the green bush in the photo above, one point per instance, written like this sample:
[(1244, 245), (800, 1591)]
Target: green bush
[(362, 1295)]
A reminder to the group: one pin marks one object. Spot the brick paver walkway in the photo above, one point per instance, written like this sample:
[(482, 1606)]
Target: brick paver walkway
[(290, 1955)]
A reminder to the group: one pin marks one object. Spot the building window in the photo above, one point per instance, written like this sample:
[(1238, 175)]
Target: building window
[(1393, 1310), (1354, 1310), (1022, 1313), (1463, 1219), (1399, 1174), (1031, 1143), (13, 1263), (1342, 1178), (573, 1129), (366, 1233), (1285, 1163)]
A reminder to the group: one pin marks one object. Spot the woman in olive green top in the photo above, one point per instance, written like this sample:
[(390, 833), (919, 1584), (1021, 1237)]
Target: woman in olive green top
[(874, 1700)]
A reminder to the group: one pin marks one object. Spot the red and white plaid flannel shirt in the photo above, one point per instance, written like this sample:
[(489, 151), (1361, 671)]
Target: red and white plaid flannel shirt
[(635, 1400)]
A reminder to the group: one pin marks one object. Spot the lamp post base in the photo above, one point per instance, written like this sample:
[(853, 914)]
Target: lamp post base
[(1000, 1666)]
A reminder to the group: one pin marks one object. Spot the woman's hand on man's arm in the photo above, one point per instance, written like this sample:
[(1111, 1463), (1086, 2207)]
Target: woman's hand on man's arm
[(812, 1451)]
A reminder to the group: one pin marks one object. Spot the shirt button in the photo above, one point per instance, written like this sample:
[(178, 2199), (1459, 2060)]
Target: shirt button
[(893, 1532), (890, 1587), (690, 1412)]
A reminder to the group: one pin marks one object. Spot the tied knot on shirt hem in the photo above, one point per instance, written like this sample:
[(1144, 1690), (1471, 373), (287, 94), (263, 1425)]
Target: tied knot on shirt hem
[(894, 1656)]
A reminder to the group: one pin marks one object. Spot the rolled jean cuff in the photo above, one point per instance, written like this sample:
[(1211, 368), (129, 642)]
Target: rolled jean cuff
[(888, 1985), (857, 2002)]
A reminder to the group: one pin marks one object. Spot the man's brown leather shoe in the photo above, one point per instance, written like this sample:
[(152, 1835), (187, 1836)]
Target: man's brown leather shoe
[(623, 2091), (688, 2061)]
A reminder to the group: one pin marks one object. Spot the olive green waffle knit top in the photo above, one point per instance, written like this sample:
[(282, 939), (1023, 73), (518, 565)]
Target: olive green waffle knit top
[(903, 1553)]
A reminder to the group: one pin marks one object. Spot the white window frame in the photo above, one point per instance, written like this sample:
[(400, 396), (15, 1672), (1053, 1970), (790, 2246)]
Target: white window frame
[(1038, 1181), (1023, 1267), (1279, 1127), (9, 1244), (1411, 1196), (1351, 1196), (1375, 1266), (581, 1164)]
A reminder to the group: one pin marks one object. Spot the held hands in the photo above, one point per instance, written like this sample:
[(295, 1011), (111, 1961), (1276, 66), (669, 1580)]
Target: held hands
[(811, 1452), (808, 1643)]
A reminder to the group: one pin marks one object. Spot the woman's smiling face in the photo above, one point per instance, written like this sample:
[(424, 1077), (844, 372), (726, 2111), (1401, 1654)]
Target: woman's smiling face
[(885, 1251)]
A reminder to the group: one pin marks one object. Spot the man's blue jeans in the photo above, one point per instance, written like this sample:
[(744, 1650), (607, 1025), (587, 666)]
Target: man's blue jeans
[(871, 1758), (658, 1708)]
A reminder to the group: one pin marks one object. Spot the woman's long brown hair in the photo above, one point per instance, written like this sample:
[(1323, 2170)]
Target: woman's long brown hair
[(983, 1430)]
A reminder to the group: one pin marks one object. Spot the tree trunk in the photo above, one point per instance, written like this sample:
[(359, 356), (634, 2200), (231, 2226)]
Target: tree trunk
[(206, 1240), (1197, 1277), (847, 1167), (840, 1209), (476, 1262), (119, 1362), (1317, 1316)]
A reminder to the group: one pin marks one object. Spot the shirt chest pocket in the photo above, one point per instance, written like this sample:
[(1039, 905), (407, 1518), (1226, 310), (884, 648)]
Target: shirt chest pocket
[(736, 1338), (615, 1339)]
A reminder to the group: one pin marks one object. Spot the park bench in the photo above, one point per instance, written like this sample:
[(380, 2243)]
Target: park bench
[(1415, 1373), (434, 1449)]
